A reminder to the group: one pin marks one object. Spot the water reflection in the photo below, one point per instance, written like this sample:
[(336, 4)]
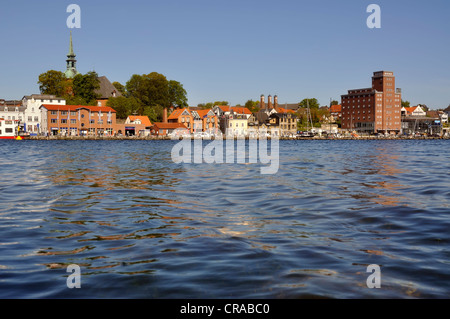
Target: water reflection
[(142, 227)]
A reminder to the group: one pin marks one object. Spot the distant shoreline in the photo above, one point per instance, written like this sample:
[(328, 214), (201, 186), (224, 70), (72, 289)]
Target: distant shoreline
[(78, 138)]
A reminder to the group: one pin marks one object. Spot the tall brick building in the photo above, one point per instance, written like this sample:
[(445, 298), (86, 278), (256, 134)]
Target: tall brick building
[(373, 110)]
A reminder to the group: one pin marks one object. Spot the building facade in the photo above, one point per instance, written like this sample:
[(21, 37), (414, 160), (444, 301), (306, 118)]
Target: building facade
[(32, 116), (13, 111), (373, 110), (78, 120), (8, 128)]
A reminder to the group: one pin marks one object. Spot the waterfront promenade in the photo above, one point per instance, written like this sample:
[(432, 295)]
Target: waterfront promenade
[(121, 138)]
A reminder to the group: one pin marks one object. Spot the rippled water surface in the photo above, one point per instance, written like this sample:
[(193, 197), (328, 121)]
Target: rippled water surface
[(141, 226)]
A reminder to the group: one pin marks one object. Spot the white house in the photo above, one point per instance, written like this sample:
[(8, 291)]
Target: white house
[(8, 128), (32, 116), (413, 111), (12, 110)]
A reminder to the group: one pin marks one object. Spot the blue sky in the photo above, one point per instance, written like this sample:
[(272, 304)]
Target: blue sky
[(235, 50)]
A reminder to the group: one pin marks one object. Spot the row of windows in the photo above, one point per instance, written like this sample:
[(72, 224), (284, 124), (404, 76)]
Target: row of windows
[(354, 101), (359, 106), (74, 121), (364, 112), (237, 125), (15, 110), (354, 118), (14, 118)]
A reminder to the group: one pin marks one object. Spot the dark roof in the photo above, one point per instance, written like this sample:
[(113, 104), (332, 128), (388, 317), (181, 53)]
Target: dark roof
[(42, 97), (107, 89), (261, 116), (294, 106)]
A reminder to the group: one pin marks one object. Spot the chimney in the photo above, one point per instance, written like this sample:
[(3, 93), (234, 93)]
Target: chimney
[(269, 98), (263, 103), (275, 101), (165, 115)]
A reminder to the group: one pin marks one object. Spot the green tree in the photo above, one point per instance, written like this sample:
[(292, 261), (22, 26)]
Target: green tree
[(120, 88), (313, 103), (76, 100), (154, 113), (210, 105), (84, 86), (334, 102), (54, 83), (124, 106), (206, 106), (253, 106), (150, 89), (221, 103), (177, 94), (406, 103)]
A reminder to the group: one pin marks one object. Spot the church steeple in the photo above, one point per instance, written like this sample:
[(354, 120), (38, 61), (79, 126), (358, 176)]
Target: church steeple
[(71, 47), (71, 62)]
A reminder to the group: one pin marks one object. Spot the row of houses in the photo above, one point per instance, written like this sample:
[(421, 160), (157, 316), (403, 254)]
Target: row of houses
[(49, 115)]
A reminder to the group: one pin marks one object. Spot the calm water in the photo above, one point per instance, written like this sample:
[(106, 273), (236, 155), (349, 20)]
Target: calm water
[(141, 226)]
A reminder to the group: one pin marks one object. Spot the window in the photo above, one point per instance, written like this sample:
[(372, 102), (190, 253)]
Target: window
[(72, 121), (73, 113), (36, 118), (30, 119), (53, 112), (64, 121), (53, 121), (63, 112), (8, 130)]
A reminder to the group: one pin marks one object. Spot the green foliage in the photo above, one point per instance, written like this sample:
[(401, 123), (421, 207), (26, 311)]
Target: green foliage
[(177, 94), (120, 88), (154, 113), (406, 103), (153, 92), (313, 103), (253, 106), (318, 115), (334, 102), (150, 89), (77, 100), (124, 106), (84, 86), (210, 105), (54, 83)]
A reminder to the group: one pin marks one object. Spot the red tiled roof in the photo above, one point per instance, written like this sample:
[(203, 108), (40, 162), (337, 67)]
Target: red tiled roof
[(144, 119), (160, 125), (224, 108), (73, 108), (241, 110), (176, 114), (203, 113), (410, 110), (336, 109), (281, 110)]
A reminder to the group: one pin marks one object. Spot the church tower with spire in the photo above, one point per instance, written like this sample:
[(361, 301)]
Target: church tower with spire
[(71, 62)]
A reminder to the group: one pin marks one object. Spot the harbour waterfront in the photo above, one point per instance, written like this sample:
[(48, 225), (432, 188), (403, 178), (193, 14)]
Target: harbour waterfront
[(141, 226)]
